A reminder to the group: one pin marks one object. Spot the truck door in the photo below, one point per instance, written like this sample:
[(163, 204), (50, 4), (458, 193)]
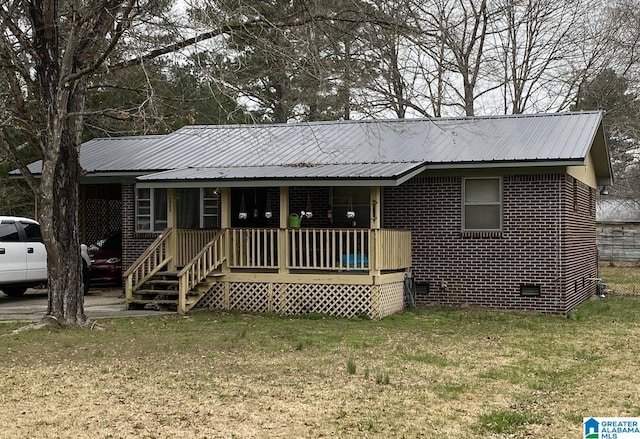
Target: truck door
[(13, 253), (36, 253)]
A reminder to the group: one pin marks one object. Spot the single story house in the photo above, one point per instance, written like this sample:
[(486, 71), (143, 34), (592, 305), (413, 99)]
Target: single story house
[(344, 217)]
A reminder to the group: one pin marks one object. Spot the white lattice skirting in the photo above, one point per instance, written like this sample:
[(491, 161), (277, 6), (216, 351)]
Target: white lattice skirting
[(375, 301)]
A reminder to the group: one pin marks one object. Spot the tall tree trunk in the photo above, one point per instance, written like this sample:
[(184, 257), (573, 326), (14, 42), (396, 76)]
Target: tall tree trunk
[(59, 213), (61, 105)]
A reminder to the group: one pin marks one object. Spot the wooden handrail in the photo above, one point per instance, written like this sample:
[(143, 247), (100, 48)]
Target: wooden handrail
[(149, 263), (204, 263)]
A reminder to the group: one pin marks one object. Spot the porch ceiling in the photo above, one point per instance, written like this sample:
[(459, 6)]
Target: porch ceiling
[(357, 174)]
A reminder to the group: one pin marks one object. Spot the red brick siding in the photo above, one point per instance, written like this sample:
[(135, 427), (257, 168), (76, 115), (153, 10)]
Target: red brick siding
[(133, 244), (545, 240), (579, 243), (487, 269)]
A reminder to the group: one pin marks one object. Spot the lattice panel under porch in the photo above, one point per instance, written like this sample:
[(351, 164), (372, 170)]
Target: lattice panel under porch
[(249, 296), (337, 300), (389, 299), (297, 299), (214, 298)]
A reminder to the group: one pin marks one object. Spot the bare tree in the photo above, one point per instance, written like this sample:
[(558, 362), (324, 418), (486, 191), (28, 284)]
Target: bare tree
[(463, 27), (51, 50), (534, 41)]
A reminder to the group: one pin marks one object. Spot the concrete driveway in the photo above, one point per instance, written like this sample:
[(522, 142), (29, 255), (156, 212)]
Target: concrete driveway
[(99, 303)]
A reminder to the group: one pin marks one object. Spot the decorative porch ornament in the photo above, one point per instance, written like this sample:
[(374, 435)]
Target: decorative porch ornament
[(295, 221), (267, 212), (350, 212), (243, 209)]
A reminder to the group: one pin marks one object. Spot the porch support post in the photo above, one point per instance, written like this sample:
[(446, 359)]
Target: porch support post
[(374, 241), (172, 241), (283, 244), (225, 224), (225, 207), (375, 207)]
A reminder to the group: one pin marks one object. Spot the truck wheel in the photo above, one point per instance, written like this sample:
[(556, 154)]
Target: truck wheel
[(14, 291)]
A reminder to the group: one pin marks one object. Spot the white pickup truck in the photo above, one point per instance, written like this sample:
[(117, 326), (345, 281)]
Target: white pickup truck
[(23, 257)]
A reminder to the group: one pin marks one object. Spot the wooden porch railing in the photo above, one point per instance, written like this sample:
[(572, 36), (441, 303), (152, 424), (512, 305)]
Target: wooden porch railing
[(155, 257), (189, 242), (360, 250), (329, 249), (321, 249), (253, 248), (204, 263), (393, 249)]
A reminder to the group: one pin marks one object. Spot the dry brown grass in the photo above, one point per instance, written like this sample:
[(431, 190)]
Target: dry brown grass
[(452, 373)]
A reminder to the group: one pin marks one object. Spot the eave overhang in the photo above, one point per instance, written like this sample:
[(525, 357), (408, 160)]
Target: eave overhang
[(360, 174)]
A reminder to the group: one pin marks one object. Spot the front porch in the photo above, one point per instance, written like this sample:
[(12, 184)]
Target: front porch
[(342, 272)]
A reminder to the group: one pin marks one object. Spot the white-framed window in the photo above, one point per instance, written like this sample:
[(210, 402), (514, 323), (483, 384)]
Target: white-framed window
[(482, 204), (209, 219), (195, 208), (151, 209)]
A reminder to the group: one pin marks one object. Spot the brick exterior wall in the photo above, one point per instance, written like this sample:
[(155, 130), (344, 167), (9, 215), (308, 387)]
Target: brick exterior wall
[(579, 243), (548, 239), (452, 267), (320, 197), (133, 244)]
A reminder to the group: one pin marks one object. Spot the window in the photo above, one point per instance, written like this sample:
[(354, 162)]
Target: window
[(482, 199), (351, 199), (209, 209), (195, 208), (530, 290), (151, 209), (33, 232), (9, 232)]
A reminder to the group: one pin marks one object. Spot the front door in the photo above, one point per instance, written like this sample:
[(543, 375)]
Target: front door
[(197, 208), (188, 208)]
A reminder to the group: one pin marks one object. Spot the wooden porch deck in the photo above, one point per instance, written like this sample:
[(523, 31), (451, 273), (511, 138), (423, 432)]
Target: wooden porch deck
[(344, 272)]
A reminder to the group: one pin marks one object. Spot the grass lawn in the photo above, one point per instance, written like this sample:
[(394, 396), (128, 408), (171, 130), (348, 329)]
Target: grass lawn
[(436, 373)]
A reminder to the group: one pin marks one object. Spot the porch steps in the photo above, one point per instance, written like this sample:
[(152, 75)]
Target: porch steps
[(162, 290), (159, 293)]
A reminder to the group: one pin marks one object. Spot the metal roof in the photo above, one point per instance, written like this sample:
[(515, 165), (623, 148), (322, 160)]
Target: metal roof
[(113, 154), (383, 174), (522, 140)]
